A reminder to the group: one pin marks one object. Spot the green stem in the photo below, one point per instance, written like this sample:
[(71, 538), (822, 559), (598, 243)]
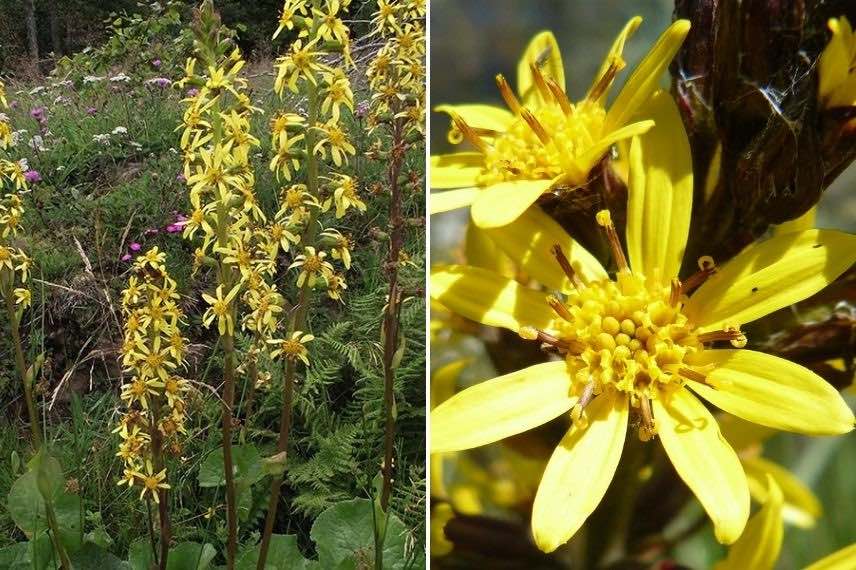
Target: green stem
[(54, 527), (21, 367), (163, 507)]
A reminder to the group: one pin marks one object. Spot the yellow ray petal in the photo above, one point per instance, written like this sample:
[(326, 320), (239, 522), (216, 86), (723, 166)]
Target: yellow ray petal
[(646, 77), (443, 380), (587, 160), (502, 407), (455, 170), (615, 53), (481, 251), (490, 299), (502, 203), (544, 51), (480, 116), (449, 200), (773, 392), (800, 224), (839, 560), (770, 275), (660, 193), (743, 434), (579, 472), (528, 241), (801, 507), (759, 546), (705, 461)]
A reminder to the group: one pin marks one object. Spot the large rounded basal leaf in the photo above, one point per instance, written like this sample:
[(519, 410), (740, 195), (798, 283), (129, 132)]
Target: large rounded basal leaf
[(95, 557), (26, 505), (344, 537), (67, 510), (283, 554), (140, 555), (36, 554), (190, 556), (247, 465)]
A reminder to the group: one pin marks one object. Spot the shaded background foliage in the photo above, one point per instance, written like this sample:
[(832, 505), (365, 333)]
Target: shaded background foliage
[(473, 41)]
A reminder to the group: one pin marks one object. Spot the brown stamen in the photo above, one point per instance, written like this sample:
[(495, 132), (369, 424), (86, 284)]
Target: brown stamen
[(469, 133), (531, 333), (560, 308), (536, 126), (540, 83), (557, 252), (707, 267), (507, 94), (560, 97), (604, 220), (676, 292), (605, 80), (732, 334), (692, 374), (648, 429)]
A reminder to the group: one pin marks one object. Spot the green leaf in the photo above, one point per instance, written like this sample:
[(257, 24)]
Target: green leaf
[(283, 554), (190, 556), (93, 556), (36, 554), (247, 466), (26, 505), (49, 477), (344, 535), (275, 464), (140, 555)]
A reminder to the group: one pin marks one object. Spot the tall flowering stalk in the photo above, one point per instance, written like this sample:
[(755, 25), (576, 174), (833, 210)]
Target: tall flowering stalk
[(155, 409), (397, 80), (216, 142), (15, 263), (314, 138)]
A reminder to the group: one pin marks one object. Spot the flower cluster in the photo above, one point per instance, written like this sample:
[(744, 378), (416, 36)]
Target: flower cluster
[(153, 354), (397, 73), (14, 262)]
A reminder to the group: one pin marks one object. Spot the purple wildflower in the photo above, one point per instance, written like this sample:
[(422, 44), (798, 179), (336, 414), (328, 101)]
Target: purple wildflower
[(39, 114), (173, 228), (32, 176), (126, 257), (135, 247), (156, 63), (91, 111), (192, 92)]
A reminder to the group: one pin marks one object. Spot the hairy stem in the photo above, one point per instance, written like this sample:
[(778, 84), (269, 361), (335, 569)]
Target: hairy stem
[(21, 368)]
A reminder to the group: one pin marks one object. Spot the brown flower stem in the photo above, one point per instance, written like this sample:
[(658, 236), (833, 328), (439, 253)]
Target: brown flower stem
[(163, 507), (150, 526), (21, 367), (228, 401), (298, 322), (281, 447)]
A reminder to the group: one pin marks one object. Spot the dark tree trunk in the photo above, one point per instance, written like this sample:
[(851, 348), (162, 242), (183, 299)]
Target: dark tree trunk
[(56, 22), (32, 33)]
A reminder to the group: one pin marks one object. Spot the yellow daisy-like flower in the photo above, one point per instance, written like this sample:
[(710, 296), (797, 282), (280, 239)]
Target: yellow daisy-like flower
[(23, 296), (221, 309), (302, 62), (152, 482), (313, 267), (336, 139), (837, 66), (641, 344), (291, 9), (292, 348), (543, 141), (345, 195)]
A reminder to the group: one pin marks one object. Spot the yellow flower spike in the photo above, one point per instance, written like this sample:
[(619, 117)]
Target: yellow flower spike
[(515, 403), (660, 188), (771, 275), (542, 51), (759, 546), (836, 69), (567, 494), (705, 461), (801, 507), (483, 296), (757, 386), (839, 560)]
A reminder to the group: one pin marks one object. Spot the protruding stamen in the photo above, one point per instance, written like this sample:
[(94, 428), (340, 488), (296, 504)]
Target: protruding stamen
[(468, 133), (538, 80), (560, 97), (692, 374), (544, 56), (560, 308), (507, 94), (732, 334), (648, 428), (577, 412), (536, 126), (557, 252), (531, 333), (604, 220), (676, 292), (603, 82), (707, 267)]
